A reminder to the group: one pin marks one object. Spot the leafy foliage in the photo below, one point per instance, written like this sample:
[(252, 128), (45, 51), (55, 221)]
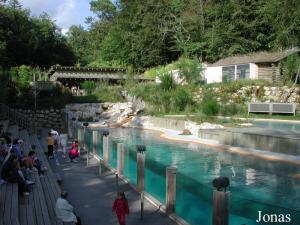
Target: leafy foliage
[(290, 67), (210, 106), (182, 99), (30, 40), (106, 93), (89, 86), (159, 32), (190, 69), (167, 81)]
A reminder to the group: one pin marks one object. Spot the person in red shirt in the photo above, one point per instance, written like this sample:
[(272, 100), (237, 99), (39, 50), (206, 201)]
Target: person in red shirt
[(74, 153), (120, 207)]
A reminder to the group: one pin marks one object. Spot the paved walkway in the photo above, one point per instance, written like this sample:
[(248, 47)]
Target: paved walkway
[(93, 197)]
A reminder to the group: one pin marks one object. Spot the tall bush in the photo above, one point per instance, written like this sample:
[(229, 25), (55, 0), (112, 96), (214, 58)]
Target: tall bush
[(210, 106), (290, 67), (182, 99), (167, 81), (89, 86)]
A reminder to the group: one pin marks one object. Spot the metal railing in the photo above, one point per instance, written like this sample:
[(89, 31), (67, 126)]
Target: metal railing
[(18, 118)]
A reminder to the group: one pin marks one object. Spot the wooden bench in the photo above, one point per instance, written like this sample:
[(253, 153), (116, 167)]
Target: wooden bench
[(9, 213), (33, 209), (49, 183), (58, 178)]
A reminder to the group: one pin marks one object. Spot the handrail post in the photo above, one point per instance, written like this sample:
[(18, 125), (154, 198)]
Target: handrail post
[(141, 174), (120, 156), (170, 190), (95, 141), (220, 213), (106, 147)]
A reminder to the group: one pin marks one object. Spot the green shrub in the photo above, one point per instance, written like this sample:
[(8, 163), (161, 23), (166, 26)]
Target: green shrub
[(290, 67), (106, 93), (181, 99), (229, 109), (167, 82), (209, 105), (89, 86)]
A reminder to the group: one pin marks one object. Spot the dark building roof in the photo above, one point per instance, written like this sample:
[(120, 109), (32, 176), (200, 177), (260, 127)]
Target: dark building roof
[(257, 57)]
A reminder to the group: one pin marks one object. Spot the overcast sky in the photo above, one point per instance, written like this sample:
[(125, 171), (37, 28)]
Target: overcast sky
[(64, 12)]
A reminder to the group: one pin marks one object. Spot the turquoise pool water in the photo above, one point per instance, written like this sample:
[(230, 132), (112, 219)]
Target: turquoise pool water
[(289, 126), (256, 185)]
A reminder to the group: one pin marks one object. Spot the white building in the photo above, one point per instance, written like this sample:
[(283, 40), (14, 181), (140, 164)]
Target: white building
[(259, 65)]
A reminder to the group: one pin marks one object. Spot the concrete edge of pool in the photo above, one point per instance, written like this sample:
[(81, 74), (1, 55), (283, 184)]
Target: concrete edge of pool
[(263, 154), (266, 155)]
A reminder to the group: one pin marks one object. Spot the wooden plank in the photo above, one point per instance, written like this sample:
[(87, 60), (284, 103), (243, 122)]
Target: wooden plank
[(58, 179), (8, 205), (42, 201), (15, 207), (30, 215), (49, 185), (36, 203), (23, 214), (2, 202)]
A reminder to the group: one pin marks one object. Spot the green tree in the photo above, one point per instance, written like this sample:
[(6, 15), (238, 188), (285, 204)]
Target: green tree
[(190, 70), (31, 40), (89, 86), (290, 67), (78, 38)]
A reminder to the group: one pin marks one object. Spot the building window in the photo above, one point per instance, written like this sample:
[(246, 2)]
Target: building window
[(228, 73), (242, 72)]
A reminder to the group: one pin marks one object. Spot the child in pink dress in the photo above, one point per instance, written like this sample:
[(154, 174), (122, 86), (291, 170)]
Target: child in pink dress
[(121, 208)]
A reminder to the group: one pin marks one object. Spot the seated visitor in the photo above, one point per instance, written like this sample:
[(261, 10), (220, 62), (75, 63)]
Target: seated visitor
[(3, 150), (33, 163), (64, 210), (12, 173), (18, 144), (6, 136)]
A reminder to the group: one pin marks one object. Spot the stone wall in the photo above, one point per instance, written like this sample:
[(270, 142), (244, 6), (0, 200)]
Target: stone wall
[(49, 118), (256, 94)]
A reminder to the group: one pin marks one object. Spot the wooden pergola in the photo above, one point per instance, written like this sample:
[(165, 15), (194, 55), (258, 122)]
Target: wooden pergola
[(59, 73)]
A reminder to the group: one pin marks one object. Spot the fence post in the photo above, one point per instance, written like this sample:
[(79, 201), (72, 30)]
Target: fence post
[(220, 215), (140, 167), (120, 156), (79, 136), (105, 146), (85, 141), (100, 171), (95, 141), (170, 190), (141, 174)]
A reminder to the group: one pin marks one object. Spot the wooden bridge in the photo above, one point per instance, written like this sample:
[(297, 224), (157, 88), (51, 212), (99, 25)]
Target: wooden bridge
[(60, 73)]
